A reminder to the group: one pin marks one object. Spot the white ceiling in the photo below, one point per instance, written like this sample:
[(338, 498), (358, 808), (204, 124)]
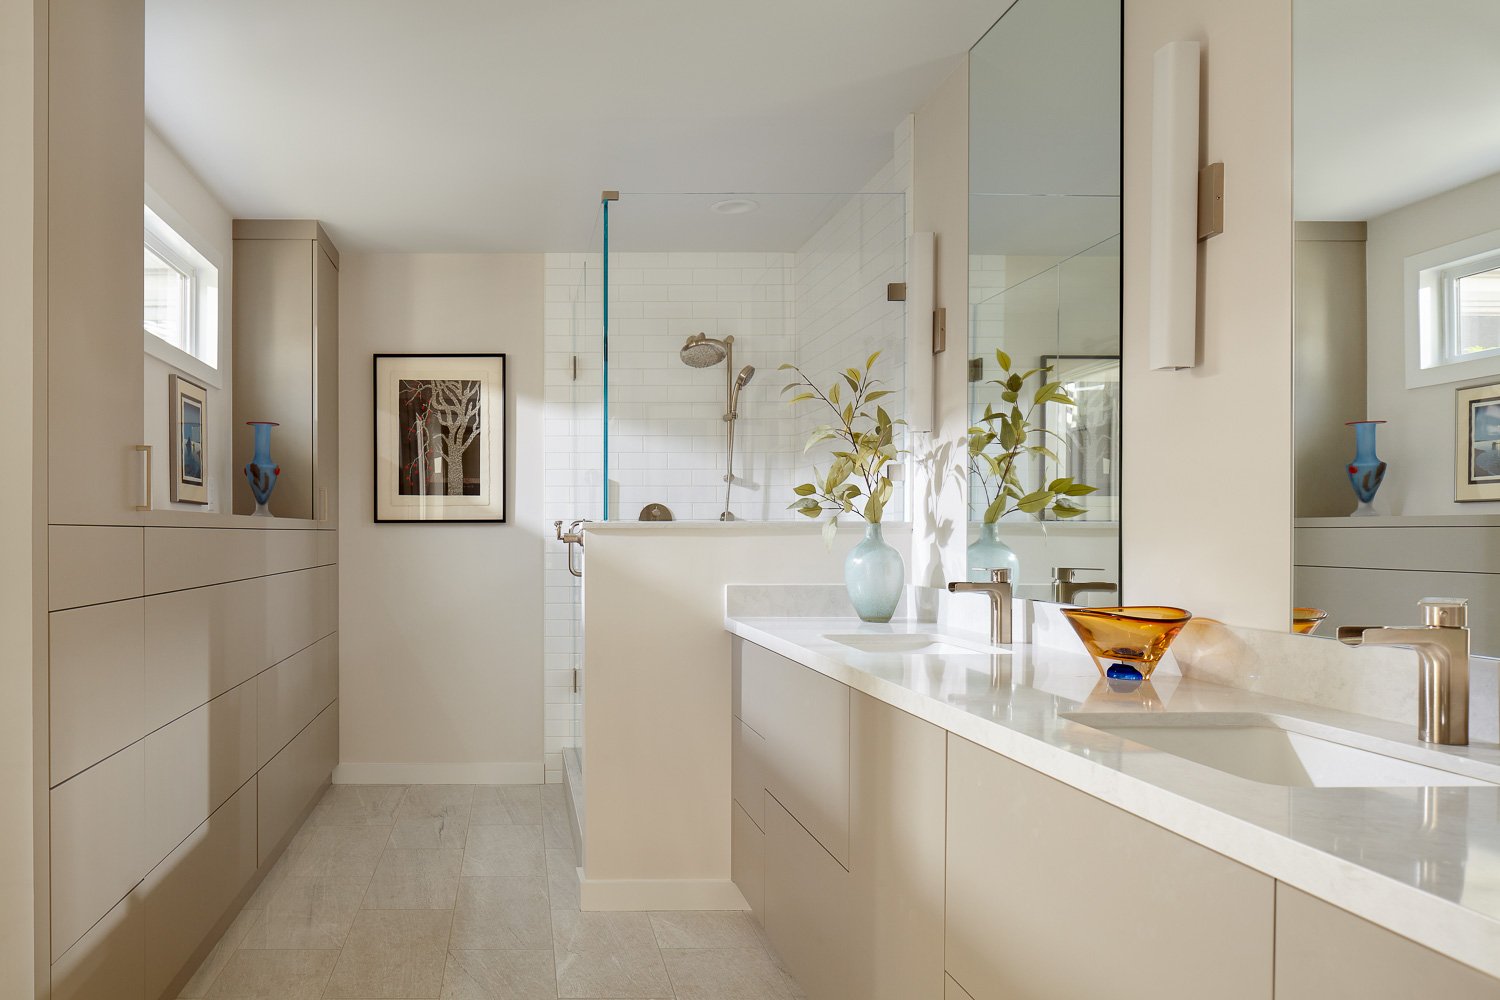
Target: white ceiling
[(492, 125), (1394, 101)]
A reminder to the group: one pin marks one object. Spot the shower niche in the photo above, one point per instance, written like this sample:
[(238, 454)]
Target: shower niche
[(664, 338)]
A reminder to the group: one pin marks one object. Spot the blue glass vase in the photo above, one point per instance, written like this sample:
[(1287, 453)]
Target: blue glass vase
[(262, 470), (988, 552), (1367, 471), (873, 574)]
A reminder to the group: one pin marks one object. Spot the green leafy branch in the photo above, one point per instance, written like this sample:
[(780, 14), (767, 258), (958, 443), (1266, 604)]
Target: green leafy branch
[(858, 478), (1010, 434)]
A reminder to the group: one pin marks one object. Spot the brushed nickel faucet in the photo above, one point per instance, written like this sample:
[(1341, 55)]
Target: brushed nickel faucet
[(1065, 589), (998, 589), (1442, 647)]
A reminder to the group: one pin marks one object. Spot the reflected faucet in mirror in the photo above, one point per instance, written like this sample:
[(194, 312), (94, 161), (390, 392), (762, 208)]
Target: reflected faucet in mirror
[(1065, 589), (1442, 647)]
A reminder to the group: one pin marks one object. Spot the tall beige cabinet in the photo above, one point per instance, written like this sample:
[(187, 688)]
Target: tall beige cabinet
[(186, 685), (286, 312)]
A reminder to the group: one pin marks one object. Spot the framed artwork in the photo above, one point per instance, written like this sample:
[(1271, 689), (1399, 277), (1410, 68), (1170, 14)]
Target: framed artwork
[(1087, 441), (440, 438), (189, 455), (1477, 449)]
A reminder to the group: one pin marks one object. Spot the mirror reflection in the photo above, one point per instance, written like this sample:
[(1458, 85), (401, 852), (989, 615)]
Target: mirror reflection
[(1396, 201), (1044, 300)]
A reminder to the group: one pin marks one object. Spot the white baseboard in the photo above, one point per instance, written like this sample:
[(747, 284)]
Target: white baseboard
[(476, 773), (659, 894)]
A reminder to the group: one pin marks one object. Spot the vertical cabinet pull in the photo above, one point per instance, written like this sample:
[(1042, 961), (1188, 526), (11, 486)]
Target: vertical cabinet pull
[(145, 449)]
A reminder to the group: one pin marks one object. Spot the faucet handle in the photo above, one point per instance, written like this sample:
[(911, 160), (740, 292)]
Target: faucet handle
[(1445, 612)]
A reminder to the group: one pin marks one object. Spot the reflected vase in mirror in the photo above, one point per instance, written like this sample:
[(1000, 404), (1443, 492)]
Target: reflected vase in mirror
[(1367, 471), (873, 574), (261, 472), (988, 552)]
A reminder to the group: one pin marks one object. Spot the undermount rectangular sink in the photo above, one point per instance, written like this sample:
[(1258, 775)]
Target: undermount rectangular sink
[(1271, 750), (909, 644)]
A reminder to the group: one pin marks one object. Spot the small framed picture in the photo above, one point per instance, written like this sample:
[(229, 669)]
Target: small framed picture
[(440, 438), (1477, 450), (189, 445)]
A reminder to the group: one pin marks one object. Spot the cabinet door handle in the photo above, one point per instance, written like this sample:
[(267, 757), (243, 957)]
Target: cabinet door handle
[(145, 449)]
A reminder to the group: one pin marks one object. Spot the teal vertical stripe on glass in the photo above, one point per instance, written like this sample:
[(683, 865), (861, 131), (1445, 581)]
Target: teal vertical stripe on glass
[(605, 276)]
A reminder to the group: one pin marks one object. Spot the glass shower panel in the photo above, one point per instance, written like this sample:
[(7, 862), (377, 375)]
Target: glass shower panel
[(753, 281)]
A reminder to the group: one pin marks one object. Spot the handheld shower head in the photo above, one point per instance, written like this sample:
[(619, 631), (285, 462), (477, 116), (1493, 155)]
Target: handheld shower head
[(743, 378), (702, 352)]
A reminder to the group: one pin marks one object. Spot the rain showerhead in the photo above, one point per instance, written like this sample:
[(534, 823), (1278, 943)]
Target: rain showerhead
[(702, 352)]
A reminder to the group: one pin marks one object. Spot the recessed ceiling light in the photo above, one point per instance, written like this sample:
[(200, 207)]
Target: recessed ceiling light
[(734, 206)]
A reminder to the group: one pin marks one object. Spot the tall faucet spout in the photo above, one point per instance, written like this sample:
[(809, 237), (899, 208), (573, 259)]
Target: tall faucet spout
[(1442, 648)]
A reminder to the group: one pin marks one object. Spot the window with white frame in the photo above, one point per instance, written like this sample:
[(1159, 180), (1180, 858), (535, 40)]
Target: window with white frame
[(181, 298)]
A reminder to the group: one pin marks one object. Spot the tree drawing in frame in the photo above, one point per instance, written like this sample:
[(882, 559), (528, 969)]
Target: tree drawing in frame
[(442, 429)]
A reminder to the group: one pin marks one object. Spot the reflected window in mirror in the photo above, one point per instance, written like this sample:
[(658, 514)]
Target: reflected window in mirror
[(1396, 309)]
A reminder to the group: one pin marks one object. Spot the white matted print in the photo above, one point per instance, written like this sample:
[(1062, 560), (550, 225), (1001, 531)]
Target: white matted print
[(440, 437), (189, 402)]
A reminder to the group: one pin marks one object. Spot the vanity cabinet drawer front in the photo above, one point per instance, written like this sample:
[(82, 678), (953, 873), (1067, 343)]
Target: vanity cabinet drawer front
[(897, 826), (747, 864), (804, 718), (292, 693), (747, 772), (1040, 874), (806, 913), (180, 558), (1325, 953), (97, 675)]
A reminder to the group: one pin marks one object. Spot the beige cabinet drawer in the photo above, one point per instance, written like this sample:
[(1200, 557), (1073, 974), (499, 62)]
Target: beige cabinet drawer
[(897, 829), (747, 772), (293, 778), (806, 908), (90, 564), (804, 718), (1325, 953), (1040, 874), (292, 693), (747, 864)]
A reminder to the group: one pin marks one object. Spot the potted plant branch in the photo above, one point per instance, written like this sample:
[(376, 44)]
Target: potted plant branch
[(998, 444), (856, 482)]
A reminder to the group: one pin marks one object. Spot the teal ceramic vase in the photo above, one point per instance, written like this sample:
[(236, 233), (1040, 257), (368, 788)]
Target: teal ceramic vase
[(873, 574), (988, 552)]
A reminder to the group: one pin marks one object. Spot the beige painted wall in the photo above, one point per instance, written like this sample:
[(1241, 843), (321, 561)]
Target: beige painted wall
[(940, 205), (441, 655), (657, 709), (1418, 442), (19, 31), (1207, 452), (1329, 333)]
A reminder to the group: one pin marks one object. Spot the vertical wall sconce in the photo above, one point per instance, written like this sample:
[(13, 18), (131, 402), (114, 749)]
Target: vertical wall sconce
[(921, 276), (1173, 312)]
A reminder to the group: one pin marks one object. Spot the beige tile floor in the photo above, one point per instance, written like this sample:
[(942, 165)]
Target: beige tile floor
[(470, 893)]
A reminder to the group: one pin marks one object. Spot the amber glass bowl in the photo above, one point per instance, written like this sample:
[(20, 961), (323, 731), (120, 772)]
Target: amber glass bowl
[(1127, 643), (1305, 621)]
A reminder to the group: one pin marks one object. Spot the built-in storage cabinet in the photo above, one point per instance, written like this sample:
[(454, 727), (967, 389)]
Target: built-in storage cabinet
[(1040, 875), (286, 361), (833, 770), (95, 182), (1325, 953)]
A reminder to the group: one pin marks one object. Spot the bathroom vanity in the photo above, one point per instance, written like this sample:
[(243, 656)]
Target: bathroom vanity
[(916, 811)]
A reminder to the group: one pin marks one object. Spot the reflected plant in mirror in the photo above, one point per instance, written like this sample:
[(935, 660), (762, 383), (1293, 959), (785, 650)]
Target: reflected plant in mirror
[(999, 443)]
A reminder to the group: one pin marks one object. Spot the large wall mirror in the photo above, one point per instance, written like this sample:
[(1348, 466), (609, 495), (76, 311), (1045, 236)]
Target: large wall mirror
[(1044, 293), (1396, 122)]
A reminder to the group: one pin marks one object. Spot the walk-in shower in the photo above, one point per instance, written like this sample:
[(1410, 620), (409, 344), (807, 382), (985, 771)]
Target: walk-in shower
[(703, 351)]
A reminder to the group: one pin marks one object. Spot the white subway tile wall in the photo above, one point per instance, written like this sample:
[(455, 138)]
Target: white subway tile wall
[(821, 305)]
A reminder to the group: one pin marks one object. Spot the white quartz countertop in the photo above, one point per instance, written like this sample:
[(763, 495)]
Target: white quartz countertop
[(1423, 862)]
